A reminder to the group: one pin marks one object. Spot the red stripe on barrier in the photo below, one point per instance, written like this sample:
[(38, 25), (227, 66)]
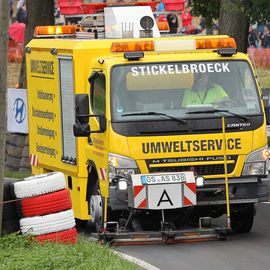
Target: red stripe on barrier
[(191, 186), (143, 204), (137, 190), (187, 201)]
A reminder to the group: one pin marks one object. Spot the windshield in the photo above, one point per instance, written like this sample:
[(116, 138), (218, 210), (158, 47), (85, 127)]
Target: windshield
[(178, 89)]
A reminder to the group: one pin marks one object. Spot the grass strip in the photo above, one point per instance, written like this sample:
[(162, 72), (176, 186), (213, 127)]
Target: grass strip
[(16, 174), (17, 252)]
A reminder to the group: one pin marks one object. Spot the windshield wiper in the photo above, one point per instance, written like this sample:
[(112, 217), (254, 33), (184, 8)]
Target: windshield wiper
[(157, 114), (242, 117)]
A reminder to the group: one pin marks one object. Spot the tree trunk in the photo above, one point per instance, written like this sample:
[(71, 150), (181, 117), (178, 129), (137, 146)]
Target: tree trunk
[(235, 23), (4, 23), (40, 12)]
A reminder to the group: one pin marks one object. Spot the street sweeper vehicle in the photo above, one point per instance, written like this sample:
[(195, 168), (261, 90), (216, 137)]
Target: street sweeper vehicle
[(155, 135)]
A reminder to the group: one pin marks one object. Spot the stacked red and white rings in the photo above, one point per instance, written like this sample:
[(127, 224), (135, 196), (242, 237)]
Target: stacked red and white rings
[(45, 208)]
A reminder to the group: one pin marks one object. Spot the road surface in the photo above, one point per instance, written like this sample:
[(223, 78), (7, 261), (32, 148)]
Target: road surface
[(241, 251)]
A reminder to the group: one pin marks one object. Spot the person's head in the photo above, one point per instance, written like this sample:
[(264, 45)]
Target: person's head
[(201, 81), (266, 29)]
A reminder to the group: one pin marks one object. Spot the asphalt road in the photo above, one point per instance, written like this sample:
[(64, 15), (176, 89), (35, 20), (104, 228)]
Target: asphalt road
[(241, 251)]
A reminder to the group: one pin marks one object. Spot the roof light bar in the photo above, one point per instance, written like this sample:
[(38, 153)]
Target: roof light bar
[(175, 45), (55, 30), (215, 43), (132, 46)]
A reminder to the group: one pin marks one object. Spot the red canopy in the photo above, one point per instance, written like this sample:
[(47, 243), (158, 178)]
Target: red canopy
[(16, 32)]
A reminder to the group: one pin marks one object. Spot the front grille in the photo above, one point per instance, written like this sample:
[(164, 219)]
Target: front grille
[(213, 169)]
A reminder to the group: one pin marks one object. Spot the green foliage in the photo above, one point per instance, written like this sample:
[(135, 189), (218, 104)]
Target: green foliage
[(256, 10), (16, 174), (17, 252), (208, 9)]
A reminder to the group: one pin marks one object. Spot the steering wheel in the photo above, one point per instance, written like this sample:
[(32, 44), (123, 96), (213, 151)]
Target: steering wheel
[(225, 101)]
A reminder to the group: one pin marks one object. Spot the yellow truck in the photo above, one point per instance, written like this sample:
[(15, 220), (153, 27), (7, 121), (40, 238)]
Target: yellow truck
[(147, 129)]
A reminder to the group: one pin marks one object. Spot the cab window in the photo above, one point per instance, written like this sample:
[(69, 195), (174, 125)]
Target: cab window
[(98, 94)]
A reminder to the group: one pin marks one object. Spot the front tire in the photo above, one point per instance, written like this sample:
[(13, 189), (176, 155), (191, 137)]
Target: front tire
[(96, 209), (80, 223), (242, 218)]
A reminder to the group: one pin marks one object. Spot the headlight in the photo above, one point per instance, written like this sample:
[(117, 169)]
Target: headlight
[(257, 162), (120, 165), (122, 184), (199, 181)]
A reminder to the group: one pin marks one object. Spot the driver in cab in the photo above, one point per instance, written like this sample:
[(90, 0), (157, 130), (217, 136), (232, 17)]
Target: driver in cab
[(203, 92)]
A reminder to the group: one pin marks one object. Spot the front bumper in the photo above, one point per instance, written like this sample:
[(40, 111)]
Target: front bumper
[(241, 190)]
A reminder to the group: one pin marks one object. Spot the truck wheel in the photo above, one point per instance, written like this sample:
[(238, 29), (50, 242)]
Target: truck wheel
[(48, 224), (95, 204), (39, 184), (80, 223), (96, 210), (242, 218)]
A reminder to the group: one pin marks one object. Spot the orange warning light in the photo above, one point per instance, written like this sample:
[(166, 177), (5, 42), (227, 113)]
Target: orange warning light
[(55, 30), (215, 43), (132, 46)]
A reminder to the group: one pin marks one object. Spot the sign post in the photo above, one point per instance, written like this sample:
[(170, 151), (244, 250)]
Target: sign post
[(226, 174), (4, 22)]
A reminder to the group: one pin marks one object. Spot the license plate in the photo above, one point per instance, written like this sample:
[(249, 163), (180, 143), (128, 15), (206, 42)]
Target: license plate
[(152, 179), (162, 191)]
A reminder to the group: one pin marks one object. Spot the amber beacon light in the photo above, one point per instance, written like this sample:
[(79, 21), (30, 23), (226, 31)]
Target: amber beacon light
[(55, 30), (132, 46), (215, 43)]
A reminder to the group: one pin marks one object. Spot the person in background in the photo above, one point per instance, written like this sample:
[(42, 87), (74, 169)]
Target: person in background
[(202, 24), (59, 19), (215, 29), (160, 7), (11, 9), (265, 37), (19, 5), (173, 23), (21, 16), (186, 18), (253, 41)]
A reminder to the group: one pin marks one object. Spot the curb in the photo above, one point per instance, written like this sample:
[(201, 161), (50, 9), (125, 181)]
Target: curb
[(139, 262)]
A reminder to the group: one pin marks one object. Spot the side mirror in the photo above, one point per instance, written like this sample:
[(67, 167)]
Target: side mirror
[(81, 128), (102, 123), (82, 108)]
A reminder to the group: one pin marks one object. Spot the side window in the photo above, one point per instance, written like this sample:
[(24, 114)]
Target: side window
[(98, 94)]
